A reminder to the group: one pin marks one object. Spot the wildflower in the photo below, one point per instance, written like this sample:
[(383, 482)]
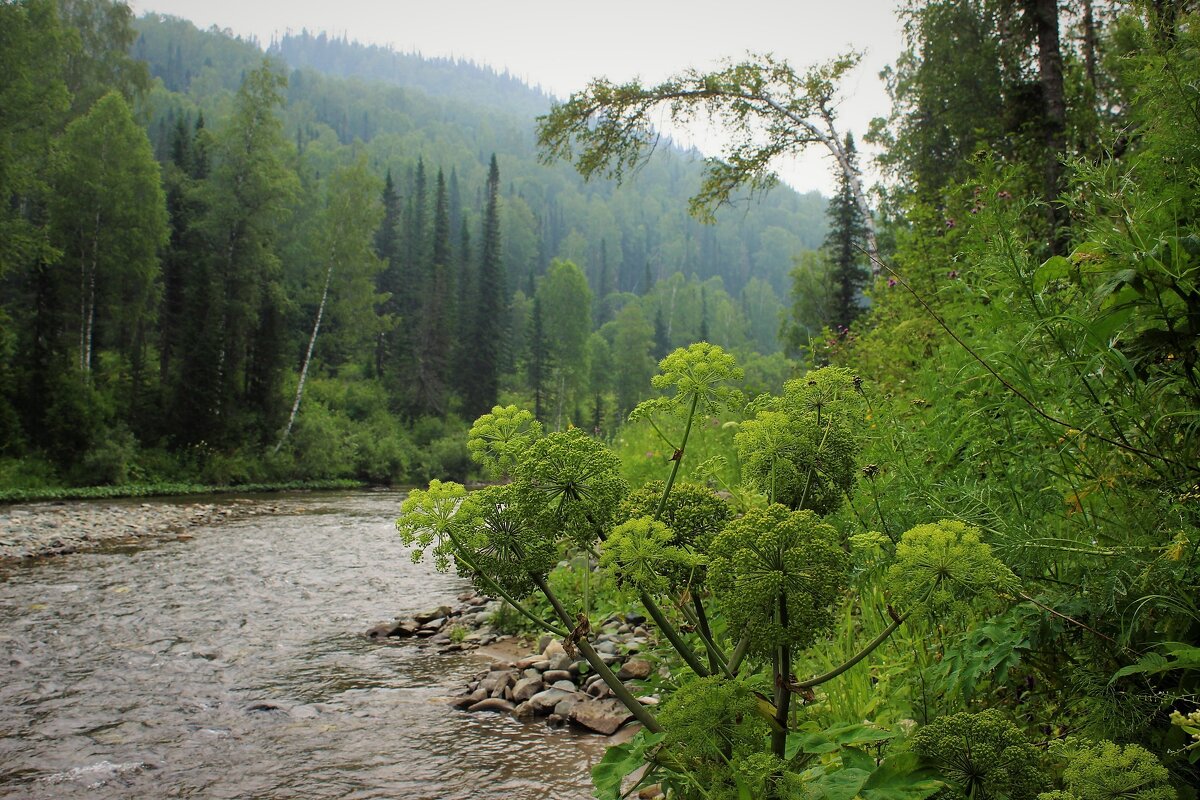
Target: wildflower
[(891, 282)]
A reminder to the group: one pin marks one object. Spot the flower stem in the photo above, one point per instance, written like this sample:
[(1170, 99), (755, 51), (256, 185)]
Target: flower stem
[(619, 689), (866, 651), (461, 554)]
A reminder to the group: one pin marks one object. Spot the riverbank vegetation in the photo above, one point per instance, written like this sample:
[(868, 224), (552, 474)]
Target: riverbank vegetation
[(962, 550), (946, 540)]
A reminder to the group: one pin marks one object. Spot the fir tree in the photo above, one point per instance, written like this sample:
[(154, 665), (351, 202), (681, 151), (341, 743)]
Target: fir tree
[(487, 337), (847, 230)]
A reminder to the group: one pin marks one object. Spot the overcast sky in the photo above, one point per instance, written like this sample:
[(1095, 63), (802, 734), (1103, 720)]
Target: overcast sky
[(560, 44)]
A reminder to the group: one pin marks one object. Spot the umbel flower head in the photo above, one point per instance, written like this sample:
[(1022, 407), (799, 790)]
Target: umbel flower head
[(573, 482), (981, 757), (777, 573), (498, 439), (702, 373), (695, 513), (709, 719), (490, 531), (941, 567), (498, 535), (425, 518), (801, 448), (640, 554)]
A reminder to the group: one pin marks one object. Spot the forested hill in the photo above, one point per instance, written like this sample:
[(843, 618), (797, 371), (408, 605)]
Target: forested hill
[(453, 115), (441, 77)]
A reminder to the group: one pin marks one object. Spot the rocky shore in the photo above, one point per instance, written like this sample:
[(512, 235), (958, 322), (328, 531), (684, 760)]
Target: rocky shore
[(547, 684), (38, 530)]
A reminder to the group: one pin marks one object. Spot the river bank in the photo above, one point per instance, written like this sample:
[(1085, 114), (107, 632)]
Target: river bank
[(39, 530)]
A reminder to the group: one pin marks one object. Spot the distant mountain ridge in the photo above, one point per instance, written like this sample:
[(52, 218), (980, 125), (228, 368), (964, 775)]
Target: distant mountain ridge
[(463, 79)]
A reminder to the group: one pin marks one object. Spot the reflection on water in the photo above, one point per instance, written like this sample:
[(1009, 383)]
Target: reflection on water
[(230, 665)]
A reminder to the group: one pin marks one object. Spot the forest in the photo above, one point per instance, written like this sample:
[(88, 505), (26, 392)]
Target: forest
[(928, 528), (227, 266)]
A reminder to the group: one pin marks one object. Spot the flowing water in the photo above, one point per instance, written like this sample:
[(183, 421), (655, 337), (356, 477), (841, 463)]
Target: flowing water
[(233, 665)]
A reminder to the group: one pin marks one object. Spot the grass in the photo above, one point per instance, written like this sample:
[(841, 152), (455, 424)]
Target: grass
[(163, 490)]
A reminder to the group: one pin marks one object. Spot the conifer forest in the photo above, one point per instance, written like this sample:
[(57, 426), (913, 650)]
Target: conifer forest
[(903, 482)]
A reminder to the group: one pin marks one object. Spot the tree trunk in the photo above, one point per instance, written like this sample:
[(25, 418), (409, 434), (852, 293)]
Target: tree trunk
[(312, 341), (1054, 115)]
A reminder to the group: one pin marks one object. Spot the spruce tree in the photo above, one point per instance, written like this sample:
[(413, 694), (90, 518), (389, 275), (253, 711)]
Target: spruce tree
[(487, 338), (843, 243)]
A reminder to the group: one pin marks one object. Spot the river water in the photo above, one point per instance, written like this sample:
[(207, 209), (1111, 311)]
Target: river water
[(233, 665)]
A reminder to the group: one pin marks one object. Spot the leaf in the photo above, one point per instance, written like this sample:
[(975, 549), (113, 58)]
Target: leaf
[(841, 785), (1054, 268), (620, 761), (900, 777)]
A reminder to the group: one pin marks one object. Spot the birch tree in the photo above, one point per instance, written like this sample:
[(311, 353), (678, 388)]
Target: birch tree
[(766, 108), (109, 217), (352, 214)]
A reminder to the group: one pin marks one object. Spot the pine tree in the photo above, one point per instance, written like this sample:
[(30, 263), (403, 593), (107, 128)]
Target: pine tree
[(843, 243)]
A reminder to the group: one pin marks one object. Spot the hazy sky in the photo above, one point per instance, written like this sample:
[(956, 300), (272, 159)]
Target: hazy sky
[(560, 44)]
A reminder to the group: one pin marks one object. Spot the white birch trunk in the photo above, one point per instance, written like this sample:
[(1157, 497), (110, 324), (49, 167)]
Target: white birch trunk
[(312, 341)]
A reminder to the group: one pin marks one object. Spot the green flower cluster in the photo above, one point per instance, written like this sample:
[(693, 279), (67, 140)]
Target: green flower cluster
[(571, 485), (498, 440), (777, 573), (701, 370), (640, 553), (709, 720), (499, 536), (425, 518), (801, 449), (981, 757), (695, 513), (565, 486), (941, 567), (1108, 771)]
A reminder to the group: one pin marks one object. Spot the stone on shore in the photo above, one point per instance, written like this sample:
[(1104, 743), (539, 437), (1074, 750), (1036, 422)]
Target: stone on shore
[(492, 704), (601, 716)]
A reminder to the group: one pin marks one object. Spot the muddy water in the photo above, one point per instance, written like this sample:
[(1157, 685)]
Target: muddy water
[(232, 665)]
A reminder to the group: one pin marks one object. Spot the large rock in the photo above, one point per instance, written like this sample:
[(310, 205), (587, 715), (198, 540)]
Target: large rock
[(426, 616), (544, 702), (566, 706), (552, 675), (566, 686), (492, 704), (553, 650), (601, 716), (393, 629), (527, 688), (638, 668)]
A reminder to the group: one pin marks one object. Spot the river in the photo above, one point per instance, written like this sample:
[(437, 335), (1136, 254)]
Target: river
[(233, 665)]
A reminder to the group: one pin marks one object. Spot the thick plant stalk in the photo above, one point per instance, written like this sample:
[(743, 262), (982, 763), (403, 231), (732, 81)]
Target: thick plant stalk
[(677, 457), (739, 652), (801, 686), (460, 552), (717, 661), (783, 697), (674, 636), (622, 693)]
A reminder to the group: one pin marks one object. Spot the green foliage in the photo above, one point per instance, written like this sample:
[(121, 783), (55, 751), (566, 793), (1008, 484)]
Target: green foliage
[(981, 756), (942, 567), (777, 573)]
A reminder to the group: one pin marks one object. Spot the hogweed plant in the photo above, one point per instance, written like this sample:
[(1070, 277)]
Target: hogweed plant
[(737, 596)]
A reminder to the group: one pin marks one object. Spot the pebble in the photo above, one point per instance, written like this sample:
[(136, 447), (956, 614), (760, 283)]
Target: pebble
[(36, 530)]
